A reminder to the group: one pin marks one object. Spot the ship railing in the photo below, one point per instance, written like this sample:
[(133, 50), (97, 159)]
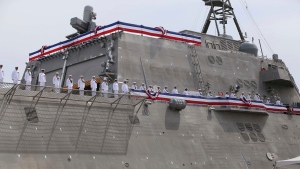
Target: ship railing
[(10, 90)]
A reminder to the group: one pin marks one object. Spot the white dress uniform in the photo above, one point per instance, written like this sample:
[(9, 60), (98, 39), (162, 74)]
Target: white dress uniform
[(134, 87), (42, 80), (232, 95), (104, 88), (267, 101), (69, 83), (249, 97), (226, 95), (116, 89), (15, 76), (56, 83), (199, 94), (242, 96), (142, 88), (278, 102), (185, 92), (81, 85), (125, 88), (165, 91), (28, 80), (93, 86), (174, 91), (1, 75), (209, 95), (256, 98)]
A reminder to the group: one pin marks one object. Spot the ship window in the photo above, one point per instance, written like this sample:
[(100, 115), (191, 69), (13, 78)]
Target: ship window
[(209, 44), (217, 46)]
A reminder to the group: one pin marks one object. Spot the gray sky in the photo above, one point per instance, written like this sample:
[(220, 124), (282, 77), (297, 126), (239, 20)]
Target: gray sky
[(27, 25)]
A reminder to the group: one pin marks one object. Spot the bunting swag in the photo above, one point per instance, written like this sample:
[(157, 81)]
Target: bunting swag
[(217, 101), (152, 96), (247, 102), (101, 31)]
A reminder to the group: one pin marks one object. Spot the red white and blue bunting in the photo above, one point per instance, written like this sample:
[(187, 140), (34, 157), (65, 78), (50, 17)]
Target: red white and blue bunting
[(101, 31), (217, 101)]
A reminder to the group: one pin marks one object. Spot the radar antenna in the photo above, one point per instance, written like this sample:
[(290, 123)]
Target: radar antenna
[(220, 10)]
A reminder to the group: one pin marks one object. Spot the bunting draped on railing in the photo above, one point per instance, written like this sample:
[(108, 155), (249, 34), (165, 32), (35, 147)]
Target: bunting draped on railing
[(155, 32), (218, 101)]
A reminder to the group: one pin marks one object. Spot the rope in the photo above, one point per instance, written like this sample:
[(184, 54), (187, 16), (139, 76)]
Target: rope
[(258, 31)]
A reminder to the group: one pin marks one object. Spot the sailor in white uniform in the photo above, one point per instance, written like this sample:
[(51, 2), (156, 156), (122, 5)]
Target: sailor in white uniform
[(150, 88), (199, 93), (165, 90), (125, 88), (81, 85), (56, 82), (15, 76), (185, 92), (249, 96), (226, 94), (175, 91), (259, 98), (278, 101), (256, 97), (1, 73), (242, 96), (268, 101), (28, 79), (104, 87), (134, 86), (42, 79), (158, 89), (69, 83), (143, 86), (209, 95), (116, 88), (93, 85), (232, 95)]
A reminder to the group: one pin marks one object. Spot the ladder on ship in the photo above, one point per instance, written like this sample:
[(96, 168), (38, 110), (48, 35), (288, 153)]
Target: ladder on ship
[(197, 69)]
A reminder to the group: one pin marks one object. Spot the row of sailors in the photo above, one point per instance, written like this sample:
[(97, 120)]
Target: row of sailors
[(104, 86), (199, 93)]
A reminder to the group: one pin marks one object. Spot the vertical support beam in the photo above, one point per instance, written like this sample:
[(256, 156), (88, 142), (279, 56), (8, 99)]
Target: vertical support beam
[(207, 22), (109, 116), (58, 114), (237, 24), (215, 18), (84, 117)]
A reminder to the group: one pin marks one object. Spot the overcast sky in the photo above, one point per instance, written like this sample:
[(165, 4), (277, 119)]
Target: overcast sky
[(27, 25)]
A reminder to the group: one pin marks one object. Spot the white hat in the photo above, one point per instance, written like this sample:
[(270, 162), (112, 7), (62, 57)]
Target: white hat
[(81, 75), (116, 79), (28, 68), (134, 82), (199, 89), (56, 73), (42, 69), (94, 76), (70, 75)]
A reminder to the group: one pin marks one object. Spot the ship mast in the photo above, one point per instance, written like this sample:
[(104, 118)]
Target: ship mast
[(220, 10)]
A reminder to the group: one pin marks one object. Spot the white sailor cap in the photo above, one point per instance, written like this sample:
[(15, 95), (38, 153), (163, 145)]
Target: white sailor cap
[(57, 73), (93, 76), (42, 69), (70, 75), (116, 79), (81, 75), (199, 89), (105, 78), (143, 83), (28, 68), (134, 82)]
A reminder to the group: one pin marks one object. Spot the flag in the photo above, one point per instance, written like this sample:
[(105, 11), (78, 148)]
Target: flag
[(248, 102), (162, 29), (152, 96)]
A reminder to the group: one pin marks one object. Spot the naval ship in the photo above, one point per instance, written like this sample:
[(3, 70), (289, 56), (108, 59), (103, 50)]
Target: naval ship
[(47, 127)]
